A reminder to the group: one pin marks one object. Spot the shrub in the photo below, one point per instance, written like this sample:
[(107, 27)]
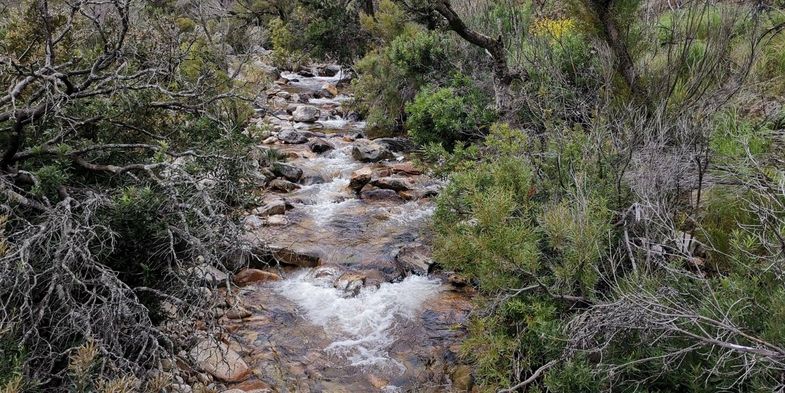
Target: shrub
[(447, 115)]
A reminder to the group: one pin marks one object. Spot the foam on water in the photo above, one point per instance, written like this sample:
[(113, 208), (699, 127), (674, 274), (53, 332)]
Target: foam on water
[(363, 327), (411, 212)]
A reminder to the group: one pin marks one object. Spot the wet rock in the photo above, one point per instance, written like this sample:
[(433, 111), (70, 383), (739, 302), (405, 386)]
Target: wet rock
[(295, 257), (290, 172), (398, 145), (207, 275), (371, 152), (391, 183), (254, 276), (272, 208), (220, 361), (283, 185), (306, 73), (329, 90), (380, 195), (414, 258), (292, 137), (360, 178), (353, 116), (350, 283), (320, 145), (312, 179), (306, 114)]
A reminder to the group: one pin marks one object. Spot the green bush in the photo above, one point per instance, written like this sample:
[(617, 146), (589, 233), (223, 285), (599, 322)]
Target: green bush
[(447, 115)]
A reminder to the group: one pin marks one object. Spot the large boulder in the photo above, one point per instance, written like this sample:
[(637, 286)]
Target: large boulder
[(320, 145), (392, 183), (291, 136), (360, 178), (306, 114), (253, 276), (217, 359), (371, 152), (289, 172)]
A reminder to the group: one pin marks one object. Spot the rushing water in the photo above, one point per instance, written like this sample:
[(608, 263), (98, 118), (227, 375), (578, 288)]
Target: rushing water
[(362, 326), (394, 331)]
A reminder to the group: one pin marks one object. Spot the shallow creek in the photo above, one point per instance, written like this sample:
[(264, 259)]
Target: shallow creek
[(358, 322)]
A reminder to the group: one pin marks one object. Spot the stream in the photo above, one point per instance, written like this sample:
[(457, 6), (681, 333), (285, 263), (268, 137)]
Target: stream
[(357, 308)]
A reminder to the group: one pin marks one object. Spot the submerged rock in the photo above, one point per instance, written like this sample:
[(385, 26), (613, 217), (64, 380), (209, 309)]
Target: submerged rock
[(371, 152), (220, 361)]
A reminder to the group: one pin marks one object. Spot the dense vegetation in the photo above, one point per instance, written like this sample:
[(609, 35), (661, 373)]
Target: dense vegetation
[(616, 182)]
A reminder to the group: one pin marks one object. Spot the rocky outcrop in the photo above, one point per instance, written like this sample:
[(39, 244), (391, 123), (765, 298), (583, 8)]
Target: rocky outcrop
[(306, 114), (320, 145), (289, 172), (254, 276), (220, 361), (292, 137), (371, 152)]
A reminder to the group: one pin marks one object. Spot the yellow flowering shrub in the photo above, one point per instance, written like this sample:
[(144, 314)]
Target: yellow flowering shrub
[(552, 27)]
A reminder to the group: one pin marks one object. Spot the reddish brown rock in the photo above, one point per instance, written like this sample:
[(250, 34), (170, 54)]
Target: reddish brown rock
[(254, 276)]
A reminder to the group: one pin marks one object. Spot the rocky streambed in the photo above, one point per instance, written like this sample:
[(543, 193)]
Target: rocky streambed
[(350, 302)]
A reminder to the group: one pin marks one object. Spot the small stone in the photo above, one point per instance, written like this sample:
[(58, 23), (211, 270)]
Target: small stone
[(237, 313), (270, 141), (272, 208), (252, 222), (277, 220), (207, 274)]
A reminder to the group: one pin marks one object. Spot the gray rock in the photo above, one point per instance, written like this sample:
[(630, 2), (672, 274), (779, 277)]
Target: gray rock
[(290, 172), (220, 361), (292, 137), (371, 152), (306, 114), (320, 145), (207, 274), (360, 178)]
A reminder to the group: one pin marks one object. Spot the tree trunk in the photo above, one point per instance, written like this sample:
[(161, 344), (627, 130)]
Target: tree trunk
[(502, 76)]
